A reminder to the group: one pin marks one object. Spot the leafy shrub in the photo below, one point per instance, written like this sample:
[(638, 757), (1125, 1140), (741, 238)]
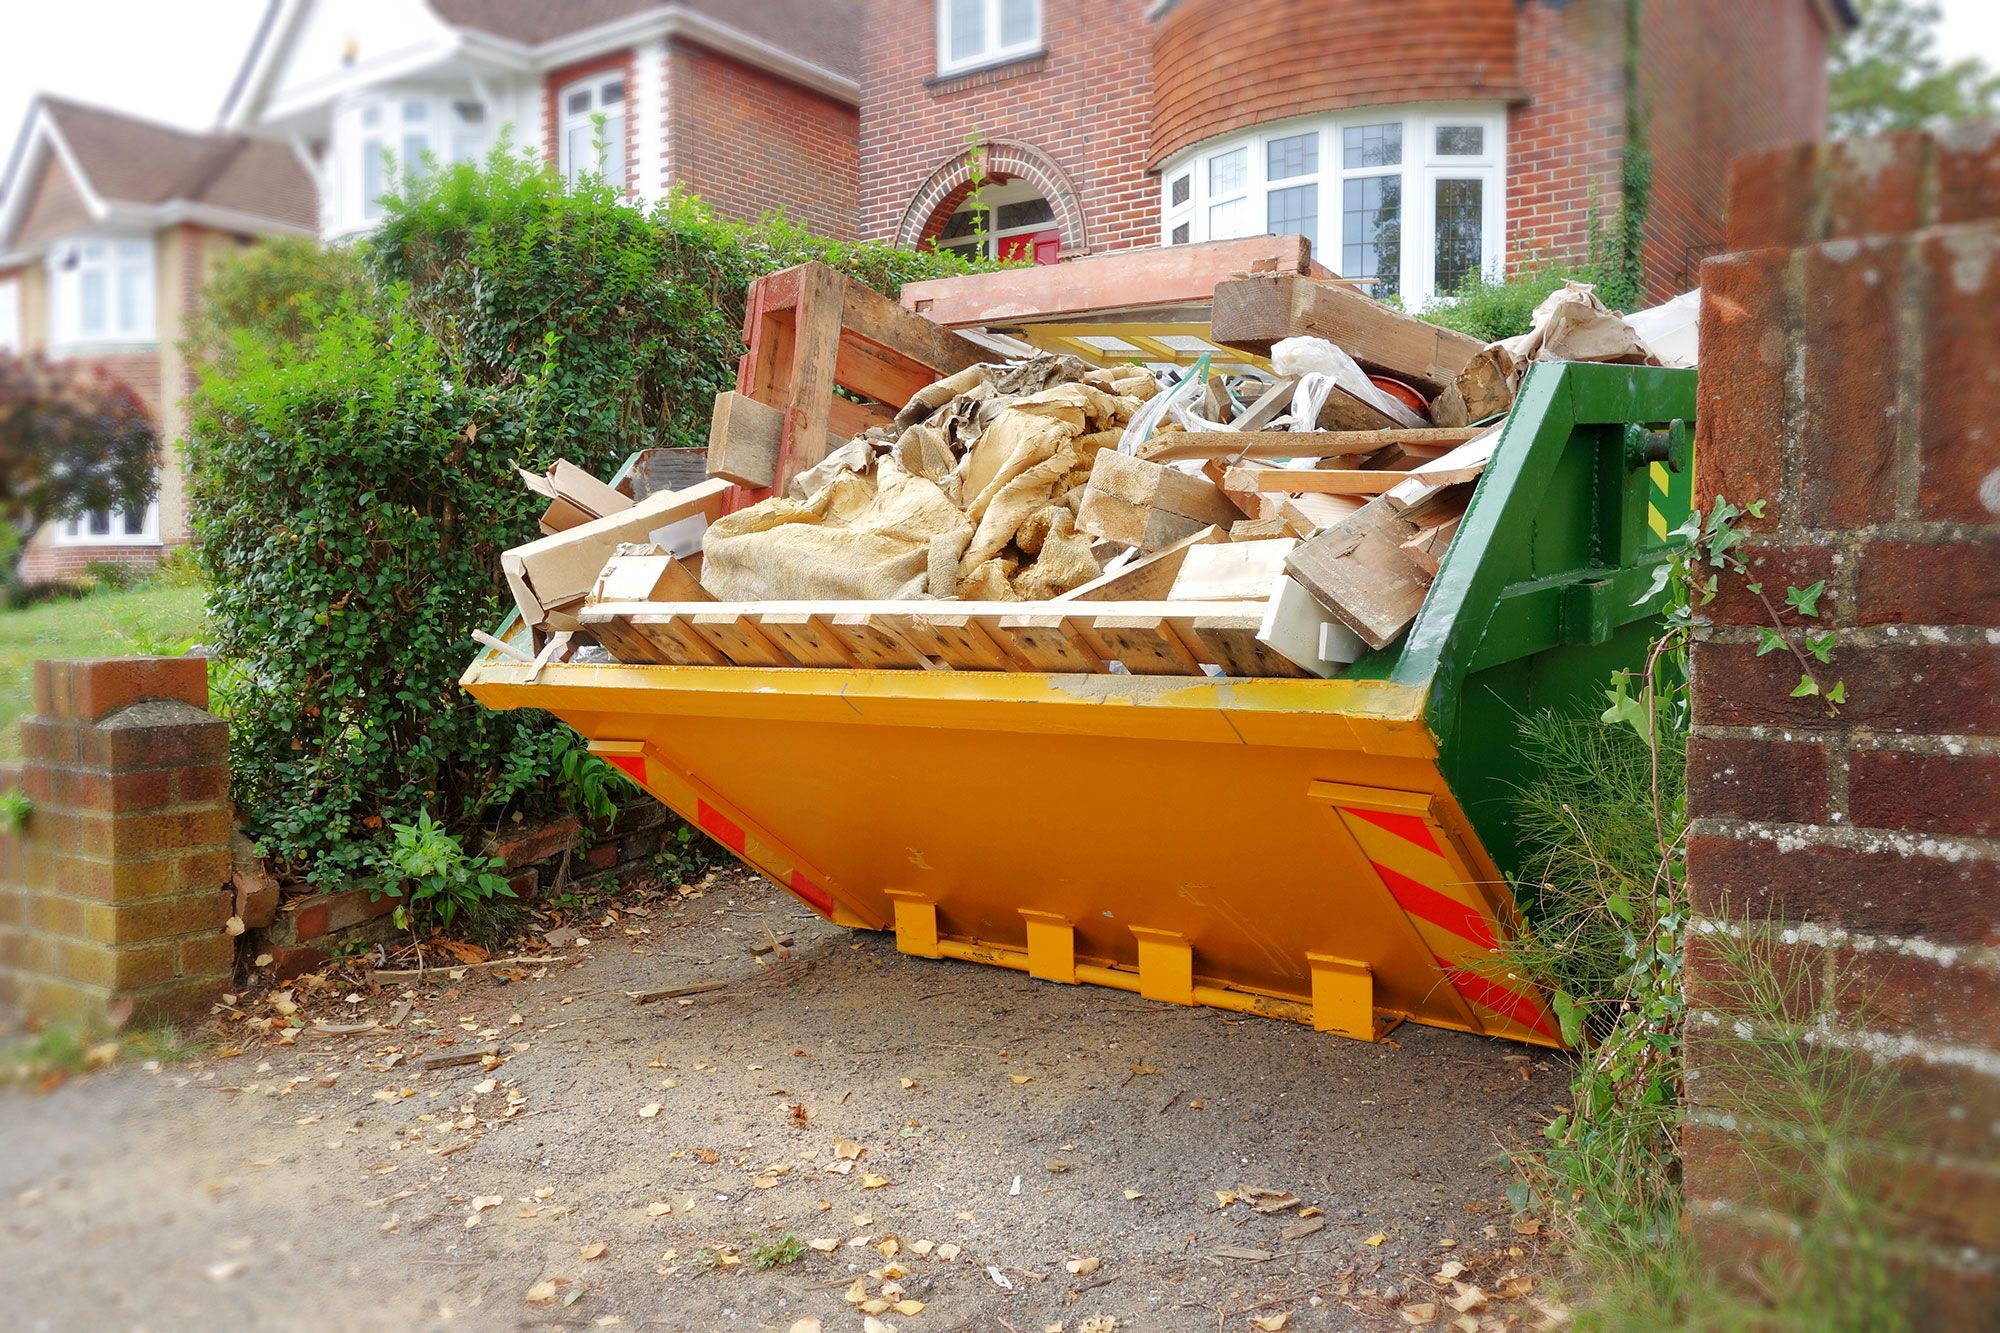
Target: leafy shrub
[(354, 447), (429, 870)]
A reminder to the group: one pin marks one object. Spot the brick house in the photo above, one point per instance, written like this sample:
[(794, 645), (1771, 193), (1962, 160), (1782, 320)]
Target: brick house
[(109, 226), (1414, 141), (749, 103)]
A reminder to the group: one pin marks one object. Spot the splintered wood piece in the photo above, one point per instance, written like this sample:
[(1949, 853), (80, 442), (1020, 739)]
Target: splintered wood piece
[(1231, 643), (1174, 445), (1311, 481), (1048, 643), (1259, 529), (808, 640), (1231, 571), (1148, 578), (878, 646), (737, 637), (1253, 313), (1427, 548), (1147, 645), (643, 573), (963, 644)]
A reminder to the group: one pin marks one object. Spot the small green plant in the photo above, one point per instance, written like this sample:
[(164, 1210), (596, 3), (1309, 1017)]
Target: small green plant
[(685, 853), (778, 1253), (15, 807), (437, 880)]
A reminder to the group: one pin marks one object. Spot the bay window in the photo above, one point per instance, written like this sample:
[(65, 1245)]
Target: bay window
[(1408, 200), (587, 147), (102, 290)]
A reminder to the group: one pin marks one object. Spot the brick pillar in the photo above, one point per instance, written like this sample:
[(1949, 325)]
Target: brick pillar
[(1851, 377), (113, 897)]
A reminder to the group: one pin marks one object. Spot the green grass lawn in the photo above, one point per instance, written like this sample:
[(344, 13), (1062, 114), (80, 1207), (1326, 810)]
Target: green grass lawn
[(151, 618)]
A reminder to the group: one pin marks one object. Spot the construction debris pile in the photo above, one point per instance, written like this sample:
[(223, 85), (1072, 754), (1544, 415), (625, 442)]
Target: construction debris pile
[(886, 493)]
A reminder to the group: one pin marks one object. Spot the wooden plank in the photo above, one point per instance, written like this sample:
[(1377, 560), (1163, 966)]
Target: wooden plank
[(1297, 444), (1231, 642), (1147, 645), (624, 642), (808, 392), (877, 646), (675, 641), (868, 314), (1047, 643), (1460, 465), (1256, 529), (1149, 577), (1231, 571), (846, 419), (1271, 402), (555, 571), (737, 637), (646, 574), (911, 607), (743, 440), (964, 645), (1312, 481), (1358, 570), (1120, 280), (1254, 312), (1148, 505), (808, 640)]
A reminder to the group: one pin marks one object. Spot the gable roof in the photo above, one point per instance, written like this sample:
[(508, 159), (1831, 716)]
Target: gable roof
[(126, 164), (822, 32)]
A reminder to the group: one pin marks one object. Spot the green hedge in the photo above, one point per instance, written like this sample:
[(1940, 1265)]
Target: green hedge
[(354, 446)]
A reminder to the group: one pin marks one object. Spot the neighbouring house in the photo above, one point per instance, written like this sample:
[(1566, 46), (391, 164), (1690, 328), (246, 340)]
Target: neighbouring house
[(749, 103), (1413, 141), (109, 226)]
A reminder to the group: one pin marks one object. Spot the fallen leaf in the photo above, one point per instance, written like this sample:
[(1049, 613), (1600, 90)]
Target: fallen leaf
[(485, 1085), (1085, 1266), (948, 1251), (1375, 1239), (1223, 1198), (594, 1250), (1420, 1313), (707, 1156), (1467, 1299), (810, 1324), (541, 1293), (890, 1246), (658, 1209), (1526, 1226), (1022, 1078), (765, 1182), (909, 1307), (856, 1293), (873, 1325), (649, 1110), (1133, 1194), (824, 1244), (871, 1182), (1101, 1323), (1271, 1323), (847, 1150), (908, 1083), (874, 1305), (1267, 1201), (226, 1270), (1450, 1271), (481, 1202)]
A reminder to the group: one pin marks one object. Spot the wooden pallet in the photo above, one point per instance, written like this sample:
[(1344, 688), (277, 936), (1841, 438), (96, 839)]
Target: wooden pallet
[(1147, 638)]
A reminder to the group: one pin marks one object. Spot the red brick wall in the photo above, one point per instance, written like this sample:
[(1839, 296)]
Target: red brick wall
[(1083, 105), (1847, 378), (1718, 78), (1566, 140), (552, 88), (749, 142), (1224, 65)]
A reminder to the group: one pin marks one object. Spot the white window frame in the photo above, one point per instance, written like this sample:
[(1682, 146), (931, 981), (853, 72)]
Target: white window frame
[(449, 126), (12, 336), (1422, 167), (990, 51), (613, 172), (112, 259), (992, 197), (76, 531)]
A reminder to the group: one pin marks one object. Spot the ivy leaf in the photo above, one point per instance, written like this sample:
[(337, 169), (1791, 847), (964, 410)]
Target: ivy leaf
[(1768, 640), (1619, 906), (1806, 686), (1754, 588), (1755, 509), (1661, 573), (1805, 600), (1838, 694), (1821, 645)]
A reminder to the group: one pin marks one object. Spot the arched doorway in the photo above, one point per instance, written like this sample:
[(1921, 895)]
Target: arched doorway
[(1025, 195)]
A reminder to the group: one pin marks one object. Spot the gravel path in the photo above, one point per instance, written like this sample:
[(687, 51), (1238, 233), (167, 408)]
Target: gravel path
[(1009, 1133)]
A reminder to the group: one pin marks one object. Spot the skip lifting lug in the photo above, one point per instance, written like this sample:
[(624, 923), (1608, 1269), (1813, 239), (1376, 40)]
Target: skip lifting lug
[(1645, 445)]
